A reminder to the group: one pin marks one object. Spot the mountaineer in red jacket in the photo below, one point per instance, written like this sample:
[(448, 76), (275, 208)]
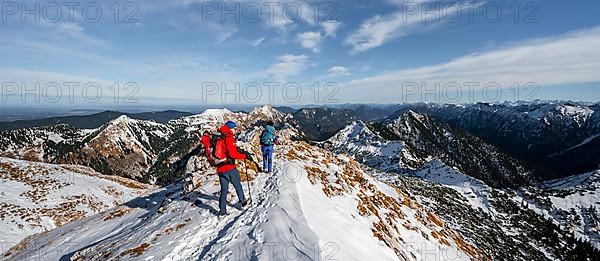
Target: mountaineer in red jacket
[(228, 172)]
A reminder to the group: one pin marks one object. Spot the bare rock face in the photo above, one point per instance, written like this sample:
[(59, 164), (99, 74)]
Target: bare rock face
[(124, 147)]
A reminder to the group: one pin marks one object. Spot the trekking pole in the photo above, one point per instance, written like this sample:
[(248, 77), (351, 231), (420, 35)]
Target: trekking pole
[(248, 182)]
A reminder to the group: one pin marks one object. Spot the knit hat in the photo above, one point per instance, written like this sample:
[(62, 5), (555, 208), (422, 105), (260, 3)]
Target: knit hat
[(231, 124)]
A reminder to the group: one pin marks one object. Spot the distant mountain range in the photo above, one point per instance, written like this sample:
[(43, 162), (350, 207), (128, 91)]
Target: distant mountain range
[(410, 141), (556, 137), (320, 123), (94, 120), (560, 137)]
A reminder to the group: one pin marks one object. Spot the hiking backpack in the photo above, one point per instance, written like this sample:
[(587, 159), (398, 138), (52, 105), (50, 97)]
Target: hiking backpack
[(215, 148), (266, 138)]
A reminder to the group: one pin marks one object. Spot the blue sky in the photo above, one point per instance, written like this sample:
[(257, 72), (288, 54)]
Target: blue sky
[(387, 51)]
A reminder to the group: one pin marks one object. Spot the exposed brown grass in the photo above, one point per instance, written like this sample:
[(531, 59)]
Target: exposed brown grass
[(137, 251), (112, 191), (389, 211), (119, 212), (433, 218)]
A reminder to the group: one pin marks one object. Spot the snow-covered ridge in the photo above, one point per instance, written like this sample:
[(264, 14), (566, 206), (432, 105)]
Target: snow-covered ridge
[(209, 117), (215, 112), (477, 193), (358, 140), (269, 113), (37, 144), (314, 203), (266, 110), (37, 197), (123, 128), (561, 113), (406, 143), (572, 183), (128, 147), (355, 131), (140, 149), (317, 205), (575, 203)]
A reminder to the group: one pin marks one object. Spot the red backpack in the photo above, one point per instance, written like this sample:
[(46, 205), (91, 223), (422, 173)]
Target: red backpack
[(215, 148)]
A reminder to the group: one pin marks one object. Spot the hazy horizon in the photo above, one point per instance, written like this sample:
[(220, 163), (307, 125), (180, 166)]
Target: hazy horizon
[(32, 113)]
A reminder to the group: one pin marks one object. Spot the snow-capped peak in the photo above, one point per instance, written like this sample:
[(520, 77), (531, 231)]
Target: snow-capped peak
[(354, 130), (121, 120), (207, 117), (361, 143), (561, 113), (267, 112), (415, 115), (126, 146), (125, 120), (578, 113), (215, 112), (268, 108)]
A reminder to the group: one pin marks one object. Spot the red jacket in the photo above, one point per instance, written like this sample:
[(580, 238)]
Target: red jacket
[(232, 151)]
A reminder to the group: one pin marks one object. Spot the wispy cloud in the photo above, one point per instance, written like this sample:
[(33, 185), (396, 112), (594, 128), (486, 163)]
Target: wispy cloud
[(225, 33), (37, 76), (72, 31), (377, 30), (287, 65), (283, 19), (258, 42), (566, 59), (188, 21)]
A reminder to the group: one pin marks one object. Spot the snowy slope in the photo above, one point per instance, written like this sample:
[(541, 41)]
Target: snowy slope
[(562, 114), (410, 141), (206, 117), (358, 140), (37, 197), (268, 113), (316, 206), (477, 193), (574, 203), (41, 143), (500, 207)]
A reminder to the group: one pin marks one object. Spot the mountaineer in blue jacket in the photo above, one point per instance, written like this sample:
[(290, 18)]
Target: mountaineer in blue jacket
[(267, 140)]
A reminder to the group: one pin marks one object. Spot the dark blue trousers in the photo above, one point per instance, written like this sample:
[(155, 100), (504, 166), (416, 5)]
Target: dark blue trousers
[(233, 177)]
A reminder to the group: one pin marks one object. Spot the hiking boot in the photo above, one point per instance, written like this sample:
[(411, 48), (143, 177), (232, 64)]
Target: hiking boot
[(245, 202), (222, 214)]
